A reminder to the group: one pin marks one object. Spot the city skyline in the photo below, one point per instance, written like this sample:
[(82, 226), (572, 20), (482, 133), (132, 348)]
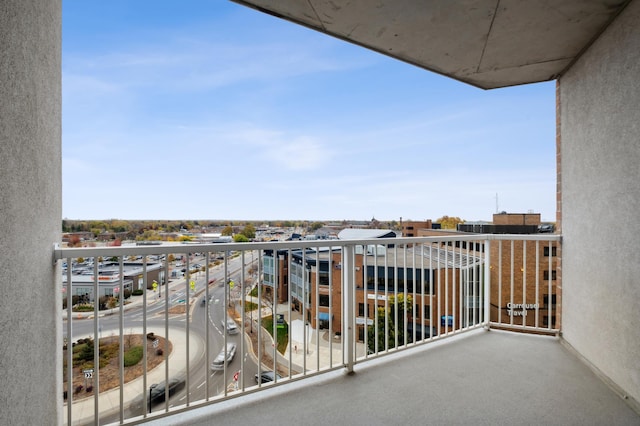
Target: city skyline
[(214, 111)]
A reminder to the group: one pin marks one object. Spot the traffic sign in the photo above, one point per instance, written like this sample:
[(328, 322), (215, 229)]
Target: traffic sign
[(88, 373)]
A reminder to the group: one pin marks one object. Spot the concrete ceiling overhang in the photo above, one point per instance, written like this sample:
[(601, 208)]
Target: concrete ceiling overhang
[(486, 43)]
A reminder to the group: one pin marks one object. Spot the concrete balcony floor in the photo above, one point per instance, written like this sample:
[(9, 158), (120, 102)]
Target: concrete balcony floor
[(479, 378)]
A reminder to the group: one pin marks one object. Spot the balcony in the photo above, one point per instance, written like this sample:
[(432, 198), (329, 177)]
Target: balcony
[(444, 330)]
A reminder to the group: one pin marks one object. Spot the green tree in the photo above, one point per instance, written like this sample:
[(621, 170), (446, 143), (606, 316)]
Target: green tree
[(227, 231), (315, 226), (249, 231), (148, 235), (449, 222), (86, 352), (240, 238), (398, 308)]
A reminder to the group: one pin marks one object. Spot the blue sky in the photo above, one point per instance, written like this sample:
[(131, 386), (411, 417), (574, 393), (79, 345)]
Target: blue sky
[(211, 110)]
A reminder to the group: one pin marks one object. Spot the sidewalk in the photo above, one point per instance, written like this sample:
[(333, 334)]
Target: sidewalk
[(323, 350)]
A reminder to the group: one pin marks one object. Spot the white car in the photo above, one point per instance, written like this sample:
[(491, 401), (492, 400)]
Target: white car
[(224, 357), (231, 326)]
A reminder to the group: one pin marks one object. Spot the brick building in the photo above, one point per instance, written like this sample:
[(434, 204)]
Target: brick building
[(444, 287)]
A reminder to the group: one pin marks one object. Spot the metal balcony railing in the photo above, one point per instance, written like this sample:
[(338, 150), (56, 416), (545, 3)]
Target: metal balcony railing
[(186, 325)]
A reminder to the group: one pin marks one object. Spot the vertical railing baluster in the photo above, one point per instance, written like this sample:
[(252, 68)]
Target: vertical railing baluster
[(121, 335), (348, 285), (187, 300), (69, 293), (317, 304), (207, 357), (487, 283), (537, 283), (499, 274), (96, 346)]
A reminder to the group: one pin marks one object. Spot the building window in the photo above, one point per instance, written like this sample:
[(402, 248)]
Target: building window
[(427, 312), (323, 278), (360, 309), (546, 275), (546, 299), (545, 320), (324, 300), (546, 251)]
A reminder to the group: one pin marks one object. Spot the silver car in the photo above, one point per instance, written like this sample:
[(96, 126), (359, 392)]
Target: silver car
[(224, 357), (231, 326)]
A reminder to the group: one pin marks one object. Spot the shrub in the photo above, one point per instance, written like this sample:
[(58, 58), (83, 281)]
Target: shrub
[(112, 302), (83, 308), (74, 300), (132, 356), (85, 352), (137, 292)]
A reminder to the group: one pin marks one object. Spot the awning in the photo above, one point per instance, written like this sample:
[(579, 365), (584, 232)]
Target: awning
[(323, 316)]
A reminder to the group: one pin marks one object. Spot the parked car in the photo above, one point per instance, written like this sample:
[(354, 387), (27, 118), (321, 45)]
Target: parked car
[(224, 357), (267, 376)]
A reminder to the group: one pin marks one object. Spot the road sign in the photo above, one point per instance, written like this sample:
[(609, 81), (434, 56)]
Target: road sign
[(154, 285), (193, 285), (88, 373)]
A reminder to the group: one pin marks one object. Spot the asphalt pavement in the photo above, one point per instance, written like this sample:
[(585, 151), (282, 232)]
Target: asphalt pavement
[(322, 349)]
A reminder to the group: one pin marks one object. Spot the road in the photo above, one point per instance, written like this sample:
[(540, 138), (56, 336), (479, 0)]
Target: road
[(205, 322)]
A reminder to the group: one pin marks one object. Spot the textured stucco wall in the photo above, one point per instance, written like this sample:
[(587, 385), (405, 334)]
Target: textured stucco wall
[(600, 127), (30, 212)]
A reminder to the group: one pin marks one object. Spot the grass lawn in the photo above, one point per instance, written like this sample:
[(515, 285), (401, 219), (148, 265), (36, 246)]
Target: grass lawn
[(283, 333)]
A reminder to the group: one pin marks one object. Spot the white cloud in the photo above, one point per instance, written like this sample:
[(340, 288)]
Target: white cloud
[(299, 154)]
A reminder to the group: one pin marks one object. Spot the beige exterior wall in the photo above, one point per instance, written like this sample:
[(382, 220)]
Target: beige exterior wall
[(600, 202), (31, 212)]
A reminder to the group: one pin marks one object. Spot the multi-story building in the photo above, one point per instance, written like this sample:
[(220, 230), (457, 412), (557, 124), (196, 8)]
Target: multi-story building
[(410, 228), (426, 275), (512, 263)]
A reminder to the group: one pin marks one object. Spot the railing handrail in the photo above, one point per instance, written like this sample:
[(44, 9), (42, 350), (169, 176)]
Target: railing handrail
[(127, 250)]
